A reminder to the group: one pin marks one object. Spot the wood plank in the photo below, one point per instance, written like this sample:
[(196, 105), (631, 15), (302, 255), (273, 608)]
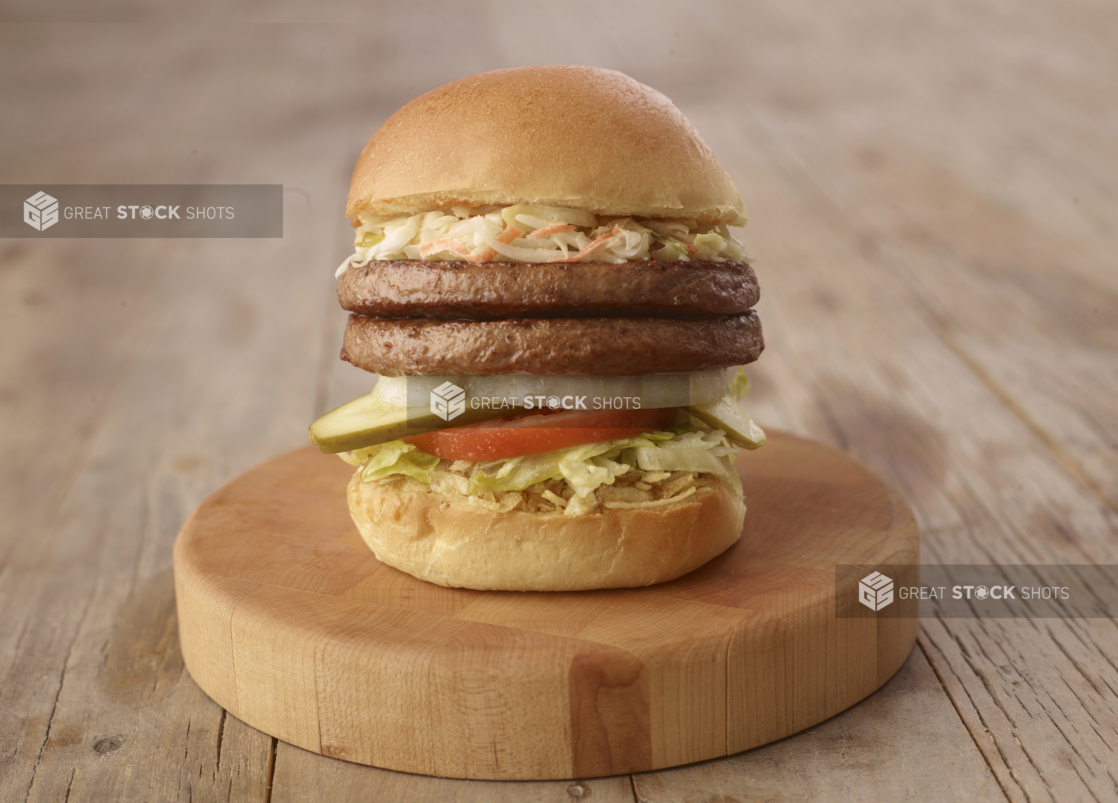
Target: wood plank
[(868, 752), (54, 395), (301, 775), (94, 674), (923, 417), (1009, 313), (1026, 306)]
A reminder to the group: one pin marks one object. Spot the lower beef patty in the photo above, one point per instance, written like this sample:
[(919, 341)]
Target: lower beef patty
[(551, 345), (492, 290)]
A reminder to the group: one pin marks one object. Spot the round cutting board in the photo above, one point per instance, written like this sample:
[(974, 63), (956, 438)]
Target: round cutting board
[(289, 622)]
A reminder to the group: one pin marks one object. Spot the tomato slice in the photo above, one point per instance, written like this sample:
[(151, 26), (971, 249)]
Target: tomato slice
[(541, 432)]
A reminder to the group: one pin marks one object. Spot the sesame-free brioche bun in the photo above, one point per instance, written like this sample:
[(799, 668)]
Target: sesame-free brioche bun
[(464, 546), (577, 137)]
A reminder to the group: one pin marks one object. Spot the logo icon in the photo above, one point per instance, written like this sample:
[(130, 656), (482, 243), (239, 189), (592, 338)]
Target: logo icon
[(875, 591), (448, 401), (40, 211)]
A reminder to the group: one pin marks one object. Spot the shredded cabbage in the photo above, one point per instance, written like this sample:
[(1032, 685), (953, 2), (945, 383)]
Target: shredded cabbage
[(522, 233), (647, 471)]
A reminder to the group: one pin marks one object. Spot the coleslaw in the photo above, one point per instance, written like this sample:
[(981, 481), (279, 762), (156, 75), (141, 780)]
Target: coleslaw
[(523, 233)]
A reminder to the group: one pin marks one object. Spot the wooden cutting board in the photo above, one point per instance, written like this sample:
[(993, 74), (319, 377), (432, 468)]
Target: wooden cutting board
[(289, 622)]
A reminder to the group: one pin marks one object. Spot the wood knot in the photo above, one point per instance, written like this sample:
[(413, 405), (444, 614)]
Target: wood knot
[(107, 745)]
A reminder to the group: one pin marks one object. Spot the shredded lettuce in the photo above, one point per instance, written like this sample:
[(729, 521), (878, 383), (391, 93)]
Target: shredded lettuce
[(394, 457), (586, 469)]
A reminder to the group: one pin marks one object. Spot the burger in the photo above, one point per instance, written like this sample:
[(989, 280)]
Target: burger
[(545, 282)]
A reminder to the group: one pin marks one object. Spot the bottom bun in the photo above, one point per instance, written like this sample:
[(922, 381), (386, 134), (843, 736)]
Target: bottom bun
[(459, 545)]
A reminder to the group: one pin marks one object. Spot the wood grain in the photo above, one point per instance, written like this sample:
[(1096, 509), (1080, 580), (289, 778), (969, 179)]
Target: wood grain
[(961, 454), (932, 190), (831, 761), (289, 622)]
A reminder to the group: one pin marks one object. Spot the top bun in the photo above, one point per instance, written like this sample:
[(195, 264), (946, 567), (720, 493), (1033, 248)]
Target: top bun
[(578, 137)]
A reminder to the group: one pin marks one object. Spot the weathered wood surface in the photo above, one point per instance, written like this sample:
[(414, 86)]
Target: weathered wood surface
[(933, 190)]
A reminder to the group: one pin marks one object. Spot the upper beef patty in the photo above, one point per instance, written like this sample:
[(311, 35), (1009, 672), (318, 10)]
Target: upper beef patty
[(493, 290)]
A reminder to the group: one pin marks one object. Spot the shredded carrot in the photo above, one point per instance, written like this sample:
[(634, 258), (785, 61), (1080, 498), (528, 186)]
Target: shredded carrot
[(589, 246), (445, 244), (547, 231), (486, 254), (689, 246)]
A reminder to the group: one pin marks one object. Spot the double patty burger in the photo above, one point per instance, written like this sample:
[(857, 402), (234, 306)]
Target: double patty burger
[(545, 282)]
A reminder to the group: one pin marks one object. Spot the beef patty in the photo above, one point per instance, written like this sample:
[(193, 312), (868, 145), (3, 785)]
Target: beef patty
[(607, 345), (494, 290)]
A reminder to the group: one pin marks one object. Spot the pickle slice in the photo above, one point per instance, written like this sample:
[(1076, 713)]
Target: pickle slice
[(365, 421), (726, 415), (372, 419)]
